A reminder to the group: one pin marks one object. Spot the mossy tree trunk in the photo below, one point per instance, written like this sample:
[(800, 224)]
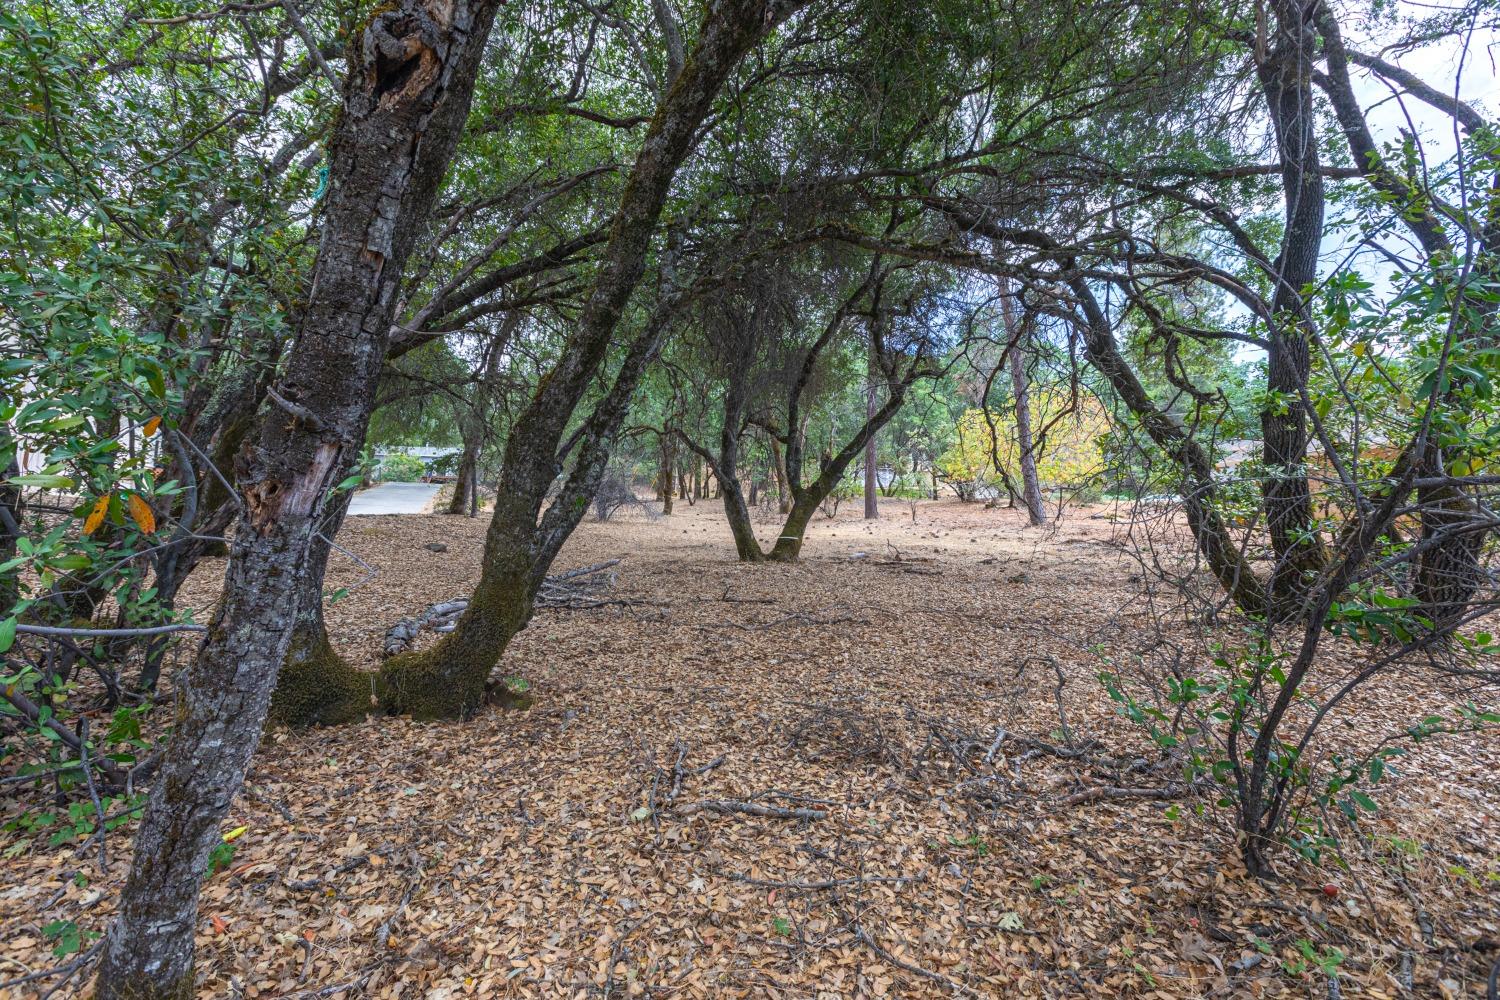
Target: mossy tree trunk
[(316, 685), (448, 680), (405, 102)]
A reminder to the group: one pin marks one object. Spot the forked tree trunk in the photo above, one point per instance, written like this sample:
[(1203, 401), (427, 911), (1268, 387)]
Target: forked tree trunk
[(448, 681), (1031, 484), (404, 105)]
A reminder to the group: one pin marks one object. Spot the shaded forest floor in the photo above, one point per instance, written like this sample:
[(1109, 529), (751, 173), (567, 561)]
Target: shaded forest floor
[(578, 849)]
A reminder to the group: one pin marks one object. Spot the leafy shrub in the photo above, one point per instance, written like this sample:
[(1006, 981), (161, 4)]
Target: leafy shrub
[(400, 468)]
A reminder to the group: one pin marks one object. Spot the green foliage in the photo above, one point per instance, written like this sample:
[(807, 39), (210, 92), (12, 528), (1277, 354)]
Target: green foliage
[(67, 937), (220, 858), (400, 468), (1211, 718)]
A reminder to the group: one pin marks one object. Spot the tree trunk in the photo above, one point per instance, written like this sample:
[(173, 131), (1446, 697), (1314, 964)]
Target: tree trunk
[(404, 106), (1218, 547), (783, 488), (11, 515), (1286, 80), (746, 546), (1447, 572), (788, 545), (463, 482), (317, 686), (1031, 486), (474, 422), (872, 480), (448, 681), (666, 475)]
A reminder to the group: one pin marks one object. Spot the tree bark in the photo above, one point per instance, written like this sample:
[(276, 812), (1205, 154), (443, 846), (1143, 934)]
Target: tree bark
[(1285, 74), (665, 475), (1017, 341), (405, 101), (463, 483), (1448, 571), (448, 681), (872, 481)]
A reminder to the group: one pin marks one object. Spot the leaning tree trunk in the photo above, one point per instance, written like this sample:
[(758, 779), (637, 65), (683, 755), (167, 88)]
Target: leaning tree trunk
[(1448, 571), (448, 681), (405, 102), (1031, 485), (1215, 543)]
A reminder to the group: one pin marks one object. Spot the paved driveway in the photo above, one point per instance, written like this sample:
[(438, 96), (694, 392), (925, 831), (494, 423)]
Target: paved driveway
[(394, 498)]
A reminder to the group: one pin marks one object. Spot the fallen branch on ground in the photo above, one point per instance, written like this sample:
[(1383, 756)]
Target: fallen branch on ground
[(1099, 792), (726, 806), (572, 590)]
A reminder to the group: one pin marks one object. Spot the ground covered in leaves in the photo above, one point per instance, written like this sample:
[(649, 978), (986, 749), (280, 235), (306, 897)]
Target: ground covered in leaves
[(880, 772)]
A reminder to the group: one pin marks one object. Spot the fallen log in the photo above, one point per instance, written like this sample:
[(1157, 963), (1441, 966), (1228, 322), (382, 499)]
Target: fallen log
[(574, 589)]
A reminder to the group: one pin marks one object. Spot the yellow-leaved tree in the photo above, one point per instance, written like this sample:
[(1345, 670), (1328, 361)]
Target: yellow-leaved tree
[(1068, 454)]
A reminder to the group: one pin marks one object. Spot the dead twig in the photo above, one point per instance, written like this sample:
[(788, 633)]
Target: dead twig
[(863, 936), (88, 777), (66, 969), (383, 935), (726, 806), (1098, 792)]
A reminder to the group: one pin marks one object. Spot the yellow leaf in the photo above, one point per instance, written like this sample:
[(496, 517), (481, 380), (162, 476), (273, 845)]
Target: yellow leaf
[(140, 513), (96, 516), (152, 426), (235, 834)]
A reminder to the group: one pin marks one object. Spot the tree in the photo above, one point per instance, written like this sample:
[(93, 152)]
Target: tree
[(1017, 336), (752, 327), (405, 101), (448, 681)]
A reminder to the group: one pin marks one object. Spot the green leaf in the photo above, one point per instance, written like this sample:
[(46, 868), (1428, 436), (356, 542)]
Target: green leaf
[(42, 480), (7, 633)]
